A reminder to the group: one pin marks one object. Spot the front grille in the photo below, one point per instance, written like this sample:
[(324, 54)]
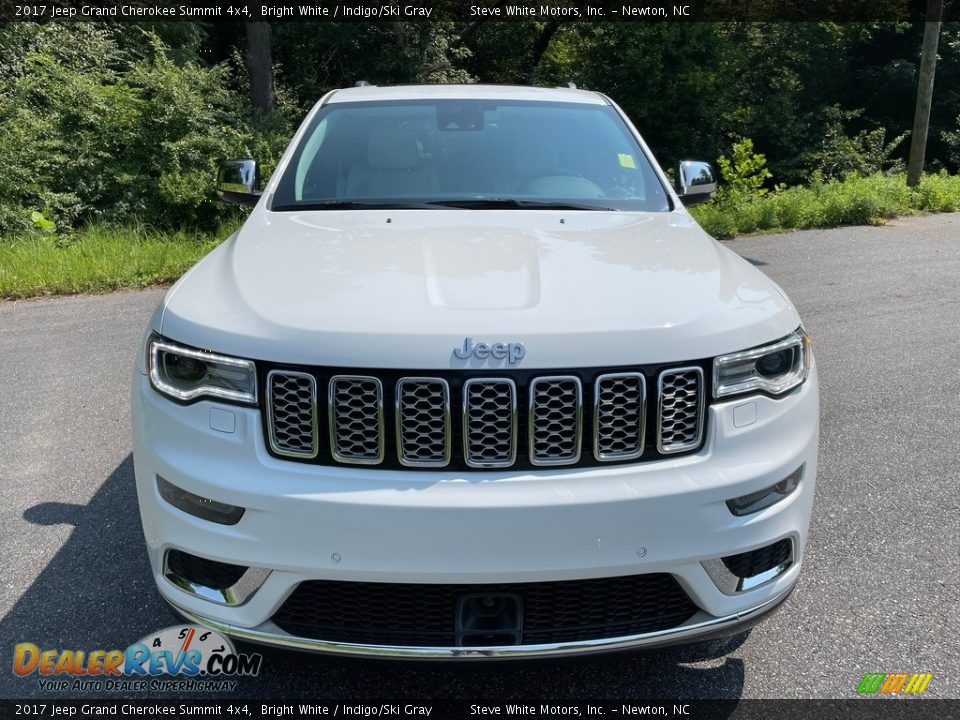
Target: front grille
[(464, 420), (356, 419), (201, 571), (681, 409), (423, 422), (749, 564), (489, 423), (292, 413), (620, 409), (424, 615), (556, 404)]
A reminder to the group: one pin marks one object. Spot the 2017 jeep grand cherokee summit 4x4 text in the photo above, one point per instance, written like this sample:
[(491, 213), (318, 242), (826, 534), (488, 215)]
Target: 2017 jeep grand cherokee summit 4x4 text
[(470, 382)]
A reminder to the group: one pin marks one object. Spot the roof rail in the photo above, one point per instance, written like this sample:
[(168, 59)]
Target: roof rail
[(361, 83), (572, 85)]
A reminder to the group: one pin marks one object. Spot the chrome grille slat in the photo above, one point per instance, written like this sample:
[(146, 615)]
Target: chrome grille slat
[(619, 418), (556, 410), (423, 422), (355, 409), (680, 413), (292, 413), (489, 422)]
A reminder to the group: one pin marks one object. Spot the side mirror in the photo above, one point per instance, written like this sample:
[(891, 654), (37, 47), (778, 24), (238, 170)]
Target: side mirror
[(238, 182), (695, 182)]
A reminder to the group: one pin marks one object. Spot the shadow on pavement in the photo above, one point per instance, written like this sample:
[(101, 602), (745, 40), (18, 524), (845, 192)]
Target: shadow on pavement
[(54, 513), (97, 593)]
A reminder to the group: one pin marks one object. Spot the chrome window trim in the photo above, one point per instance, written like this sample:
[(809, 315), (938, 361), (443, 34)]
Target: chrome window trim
[(513, 423), (331, 417), (642, 429), (315, 447), (531, 393), (447, 423), (701, 392)]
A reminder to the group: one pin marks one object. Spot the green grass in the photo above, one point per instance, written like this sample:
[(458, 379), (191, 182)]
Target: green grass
[(97, 259), (854, 201)]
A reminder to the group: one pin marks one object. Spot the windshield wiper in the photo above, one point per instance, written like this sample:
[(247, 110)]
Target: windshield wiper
[(356, 205), (501, 203), (493, 203)]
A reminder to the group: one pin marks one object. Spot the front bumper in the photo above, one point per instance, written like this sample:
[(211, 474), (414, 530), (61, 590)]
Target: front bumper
[(306, 522), (696, 630)]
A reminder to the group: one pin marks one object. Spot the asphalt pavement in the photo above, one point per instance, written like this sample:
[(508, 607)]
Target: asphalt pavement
[(879, 592)]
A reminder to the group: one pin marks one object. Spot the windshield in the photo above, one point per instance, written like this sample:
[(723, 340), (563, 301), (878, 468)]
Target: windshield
[(469, 153)]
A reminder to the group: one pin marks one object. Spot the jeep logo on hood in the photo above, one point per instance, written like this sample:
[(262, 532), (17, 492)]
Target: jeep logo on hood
[(511, 352)]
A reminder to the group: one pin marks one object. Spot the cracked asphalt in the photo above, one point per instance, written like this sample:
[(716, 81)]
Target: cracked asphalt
[(879, 591)]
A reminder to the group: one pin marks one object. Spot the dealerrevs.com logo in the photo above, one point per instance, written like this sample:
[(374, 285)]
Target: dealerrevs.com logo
[(178, 658)]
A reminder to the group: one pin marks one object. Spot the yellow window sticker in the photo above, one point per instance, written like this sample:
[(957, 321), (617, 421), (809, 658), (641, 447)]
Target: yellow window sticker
[(627, 161)]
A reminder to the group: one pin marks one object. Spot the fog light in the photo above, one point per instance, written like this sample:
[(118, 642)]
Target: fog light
[(197, 506), (757, 501)]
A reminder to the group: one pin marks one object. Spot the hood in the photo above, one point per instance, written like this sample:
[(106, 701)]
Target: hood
[(404, 288)]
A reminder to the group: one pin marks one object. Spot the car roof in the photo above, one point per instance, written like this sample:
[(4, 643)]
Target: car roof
[(366, 93)]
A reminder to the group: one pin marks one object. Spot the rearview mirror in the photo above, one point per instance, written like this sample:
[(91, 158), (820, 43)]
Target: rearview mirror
[(695, 182), (238, 182)]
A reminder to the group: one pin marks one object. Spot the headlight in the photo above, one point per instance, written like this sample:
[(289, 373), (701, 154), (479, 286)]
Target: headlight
[(774, 368), (186, 374)]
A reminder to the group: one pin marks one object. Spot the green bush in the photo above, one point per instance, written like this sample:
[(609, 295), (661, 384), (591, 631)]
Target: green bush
[(951, 139), (737, 207), (853, 201), (939, 193), (744, 172), (95, 131), (716, 220), (840, 155)]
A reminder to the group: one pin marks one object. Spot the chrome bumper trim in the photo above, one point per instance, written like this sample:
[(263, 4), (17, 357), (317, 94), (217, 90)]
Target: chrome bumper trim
[(688, 632), (236, 594), (730, 584)]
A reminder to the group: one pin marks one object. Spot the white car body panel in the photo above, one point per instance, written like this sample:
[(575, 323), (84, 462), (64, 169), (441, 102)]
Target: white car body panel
[(401, 290), (347, 288)]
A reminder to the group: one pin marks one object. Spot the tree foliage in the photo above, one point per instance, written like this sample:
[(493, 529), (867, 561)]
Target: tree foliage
[(96, 130), (107, 123)]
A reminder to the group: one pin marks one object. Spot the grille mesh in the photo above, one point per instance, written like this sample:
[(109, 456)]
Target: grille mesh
[(752, 563), (555, 409), (423, 615), (293, 413), (681, 409), (423, 421), (356, 418), (201, 571), (620, 410), (489, 425)]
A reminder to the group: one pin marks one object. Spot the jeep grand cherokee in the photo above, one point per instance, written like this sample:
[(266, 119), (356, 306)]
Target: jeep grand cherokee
[(471, 382)]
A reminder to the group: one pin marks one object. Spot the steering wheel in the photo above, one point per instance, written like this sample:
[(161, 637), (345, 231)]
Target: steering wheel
[(587, 189), (547, 172)]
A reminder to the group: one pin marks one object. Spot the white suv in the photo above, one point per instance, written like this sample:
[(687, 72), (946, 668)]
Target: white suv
[(471, 382)]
